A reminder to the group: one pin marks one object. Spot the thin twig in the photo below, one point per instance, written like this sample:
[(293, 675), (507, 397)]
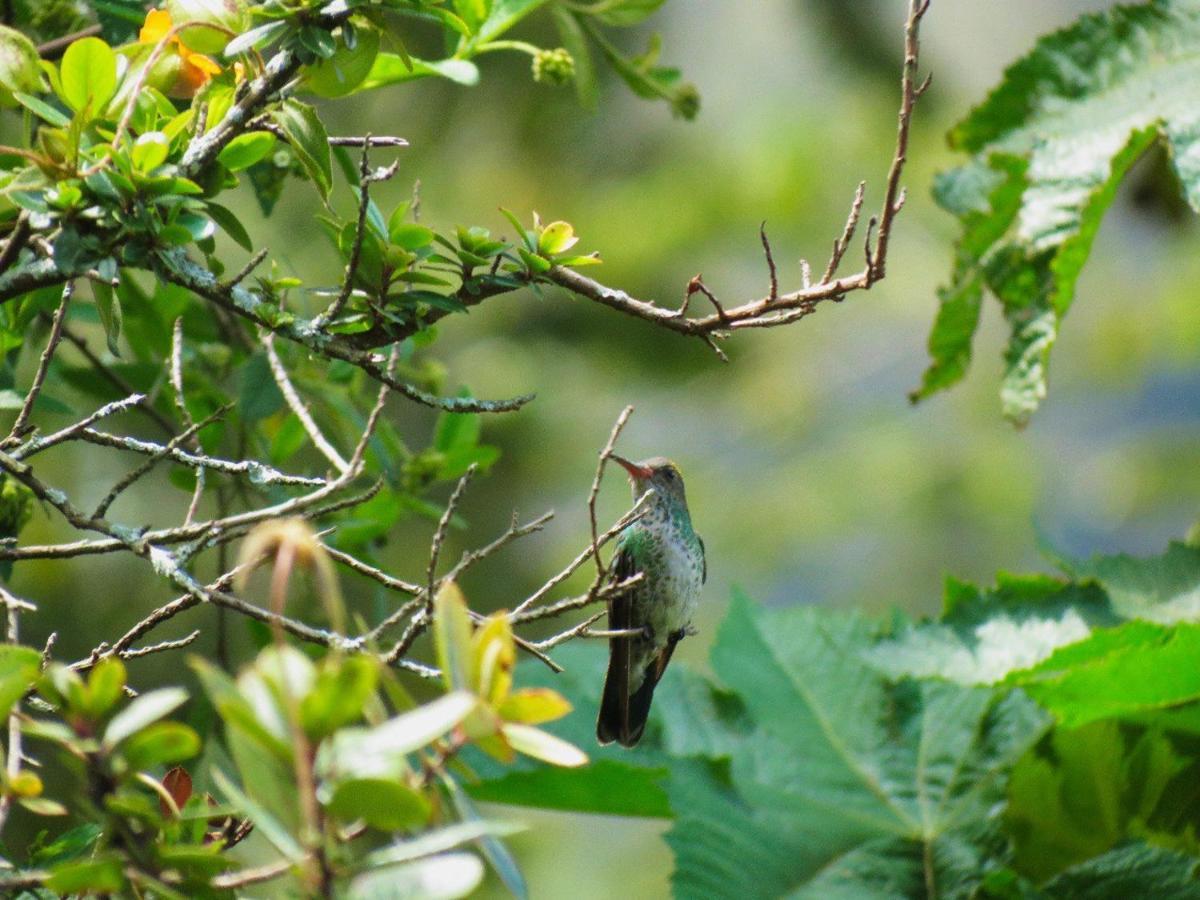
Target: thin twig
[(299, 408), (154, 458), (20, 426), (774, 275), (443, 525), (360, 232), (842, 243), (605, 453)]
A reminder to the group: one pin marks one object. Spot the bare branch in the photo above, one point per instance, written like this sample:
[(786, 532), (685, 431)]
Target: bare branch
[(439, 535), (762, 233), (299, 408), (842, 243), (20, 426)]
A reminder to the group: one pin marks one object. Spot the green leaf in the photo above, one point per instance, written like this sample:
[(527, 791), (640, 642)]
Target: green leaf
[(93, 876), (1078, 110), (605, 787), (307, 137), (1163, 588), (246, 149), (343, 72), (150, 151), (105, 685), (557, 237), (410, 236), (494, 850), (587, 89), (1086, 790), (341, 691), (108, 306), (628, 12), (542, 745), (20, 66), (69, 845), (452, 636), (143, 711), (891, 773), (382, 803), (259, 395), (1120, 671), (504, 15), (445, 877), (1132, 871), (160, 744), (236, 711), (88, 74), (231, 225), (987, 201), (983, 636), (19, 669), (41, 108), (380, 751), (270, 827), (439, 841), (391, 68)]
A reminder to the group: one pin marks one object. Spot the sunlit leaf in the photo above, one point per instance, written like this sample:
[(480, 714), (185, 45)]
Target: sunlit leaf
[(142, 711)]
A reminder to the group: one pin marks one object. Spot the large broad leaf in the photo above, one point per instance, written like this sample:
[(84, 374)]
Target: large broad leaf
[(983, 636), (1137, 668), (1086, 790), (1134, 870), (1163, 588), (884, 782), (1071, 645), (1076, 112)]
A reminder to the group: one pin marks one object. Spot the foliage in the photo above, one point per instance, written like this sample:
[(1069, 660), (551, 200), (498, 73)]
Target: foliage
[(1040, 738), (1048, 148), (346, 778), (813, 764)]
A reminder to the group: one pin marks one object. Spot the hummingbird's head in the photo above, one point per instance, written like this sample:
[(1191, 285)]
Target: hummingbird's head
[(658, 474)]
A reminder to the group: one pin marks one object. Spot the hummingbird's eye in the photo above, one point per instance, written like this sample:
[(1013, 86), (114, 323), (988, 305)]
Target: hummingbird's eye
[(669, 474)]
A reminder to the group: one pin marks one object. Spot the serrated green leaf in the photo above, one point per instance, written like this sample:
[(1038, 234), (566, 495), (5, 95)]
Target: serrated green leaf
[(1086, 790), (983, 636), (1136, 870), (1078, 111), (890, 773)]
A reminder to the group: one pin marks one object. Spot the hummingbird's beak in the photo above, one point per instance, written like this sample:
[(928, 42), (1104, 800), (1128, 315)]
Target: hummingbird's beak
[(634, 470)]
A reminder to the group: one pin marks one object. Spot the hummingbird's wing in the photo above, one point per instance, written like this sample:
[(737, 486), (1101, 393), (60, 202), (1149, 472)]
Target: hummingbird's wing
[(613, 723)]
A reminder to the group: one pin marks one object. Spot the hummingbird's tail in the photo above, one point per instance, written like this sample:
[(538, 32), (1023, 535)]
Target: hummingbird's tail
[(623, 715)]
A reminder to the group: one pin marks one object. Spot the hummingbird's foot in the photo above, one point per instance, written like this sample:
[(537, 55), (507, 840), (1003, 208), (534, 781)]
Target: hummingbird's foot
[(690, 631)]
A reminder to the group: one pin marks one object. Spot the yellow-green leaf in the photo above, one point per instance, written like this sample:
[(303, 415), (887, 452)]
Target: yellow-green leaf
[(543, 745), (452, 636), (533, 706)]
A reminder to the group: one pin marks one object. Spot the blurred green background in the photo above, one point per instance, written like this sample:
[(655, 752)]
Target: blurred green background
[(810, 476)]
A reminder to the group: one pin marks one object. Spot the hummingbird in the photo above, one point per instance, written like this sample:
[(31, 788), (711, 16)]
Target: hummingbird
[(665, 549)]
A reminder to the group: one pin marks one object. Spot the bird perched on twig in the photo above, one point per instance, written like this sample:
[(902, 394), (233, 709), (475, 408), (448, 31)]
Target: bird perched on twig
[(665, 549)]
